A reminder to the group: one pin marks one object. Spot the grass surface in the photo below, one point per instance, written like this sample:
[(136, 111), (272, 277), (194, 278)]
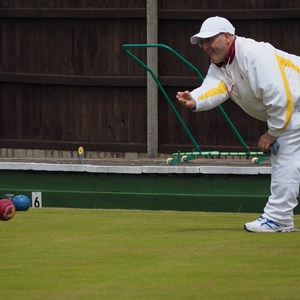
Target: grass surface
[(53, 253)]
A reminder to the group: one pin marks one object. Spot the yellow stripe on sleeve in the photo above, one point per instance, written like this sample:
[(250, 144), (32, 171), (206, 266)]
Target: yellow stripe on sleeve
[(288, 63), (220, 89)]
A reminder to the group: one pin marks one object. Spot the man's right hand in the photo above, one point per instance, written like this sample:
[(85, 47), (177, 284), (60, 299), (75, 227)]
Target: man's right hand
[(186, 100)]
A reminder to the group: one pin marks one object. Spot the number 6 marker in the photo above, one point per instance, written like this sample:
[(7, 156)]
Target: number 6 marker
[(36, 199)]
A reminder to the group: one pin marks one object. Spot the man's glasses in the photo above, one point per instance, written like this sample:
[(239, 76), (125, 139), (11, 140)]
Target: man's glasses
[(209, 41)]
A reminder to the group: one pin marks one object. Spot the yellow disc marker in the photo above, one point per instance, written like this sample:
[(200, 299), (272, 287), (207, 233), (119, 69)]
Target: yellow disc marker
[(80, 151)]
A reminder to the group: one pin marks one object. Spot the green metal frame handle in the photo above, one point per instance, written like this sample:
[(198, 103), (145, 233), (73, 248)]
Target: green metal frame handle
[(126, 46), (197, 147)]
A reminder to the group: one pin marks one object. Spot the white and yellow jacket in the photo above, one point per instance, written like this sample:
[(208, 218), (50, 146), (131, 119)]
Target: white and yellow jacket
[(262, 80)]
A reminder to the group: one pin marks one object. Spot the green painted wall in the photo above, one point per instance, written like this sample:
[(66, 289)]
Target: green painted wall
[(228, 193)]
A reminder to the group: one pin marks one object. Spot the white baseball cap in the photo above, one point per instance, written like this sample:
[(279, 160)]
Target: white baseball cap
[(211, 27)]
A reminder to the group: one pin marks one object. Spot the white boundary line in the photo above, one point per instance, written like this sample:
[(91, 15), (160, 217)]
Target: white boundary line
[(180, 169)]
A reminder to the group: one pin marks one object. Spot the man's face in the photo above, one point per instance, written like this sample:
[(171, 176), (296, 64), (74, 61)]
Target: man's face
[(216, 47)]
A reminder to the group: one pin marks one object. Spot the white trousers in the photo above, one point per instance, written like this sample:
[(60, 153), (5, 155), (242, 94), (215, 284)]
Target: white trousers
[(285, 175)]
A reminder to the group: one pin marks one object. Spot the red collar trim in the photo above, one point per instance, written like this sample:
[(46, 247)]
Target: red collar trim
[(229, 58)]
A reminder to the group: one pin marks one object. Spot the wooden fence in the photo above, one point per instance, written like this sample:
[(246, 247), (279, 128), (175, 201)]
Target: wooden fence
[(66, 81)]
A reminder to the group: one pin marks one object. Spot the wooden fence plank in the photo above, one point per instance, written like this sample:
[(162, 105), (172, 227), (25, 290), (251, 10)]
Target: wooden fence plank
[(73, 13), (232, 14), (58, 79)]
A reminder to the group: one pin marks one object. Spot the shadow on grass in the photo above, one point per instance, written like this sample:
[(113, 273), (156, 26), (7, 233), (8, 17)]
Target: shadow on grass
[(221, 229), (209, 229)]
